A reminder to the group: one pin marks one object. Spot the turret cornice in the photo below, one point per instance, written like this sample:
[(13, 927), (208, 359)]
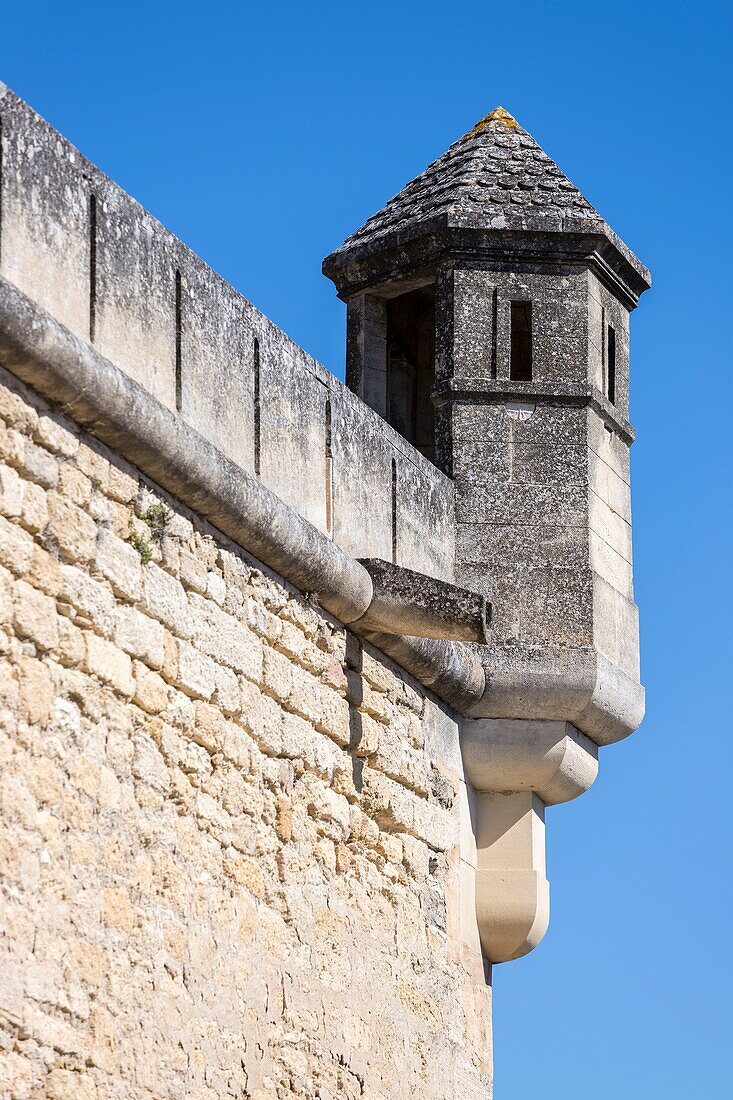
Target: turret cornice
[(393, 267)]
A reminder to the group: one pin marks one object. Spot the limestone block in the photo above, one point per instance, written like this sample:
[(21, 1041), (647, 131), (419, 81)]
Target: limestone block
[(210, 727), (262, 717), (66, 1084), (117, 911), (180, 710), (140, 636), (555, 505), (545, 424), (425, 525), (227, 694), (72, 530), (92, 460), (91, 603), (424, 499), (550, 605), (6, 595), (492, 464), (45, 572), (35, 616), (395, 808), (400, 761), (135, 319), (327, 806), (245, 873), (110, 664), (616, 629), (438, 731), (71, 645), (45, 215), (217, 341), (193, 572), (277, 674), (608, 447), (39, 466), (151, 690), (433, 824), (148, 764), (366, 350), (34, 515), (56, 434), (365, 734), (609, 485), (470, 324), (15, 404), (216, 588), (12, 446), (318, 752), (196, 672), (360, 693), (119, 563), (608, 563), (165, 599), (610, 526), (122, 484), (37, 691), (224, 638), (74, 485), (308, 654), (331, 715), (293, 394), (11, 492)]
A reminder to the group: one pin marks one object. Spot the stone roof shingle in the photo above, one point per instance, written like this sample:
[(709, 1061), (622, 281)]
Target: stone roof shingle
[(496, 177)]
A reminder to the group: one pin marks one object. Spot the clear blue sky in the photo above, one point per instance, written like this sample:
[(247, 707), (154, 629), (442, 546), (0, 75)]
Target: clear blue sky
[(262, 135)]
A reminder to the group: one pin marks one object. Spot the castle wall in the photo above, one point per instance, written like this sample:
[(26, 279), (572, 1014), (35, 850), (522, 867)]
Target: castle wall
[(238, 852), (90, 255), (229, 853)]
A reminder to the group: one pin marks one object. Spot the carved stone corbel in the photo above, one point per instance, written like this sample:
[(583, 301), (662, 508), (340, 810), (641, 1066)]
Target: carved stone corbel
[(516, 768)]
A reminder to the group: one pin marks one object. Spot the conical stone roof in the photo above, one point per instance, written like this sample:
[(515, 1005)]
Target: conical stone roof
[(496, 177)]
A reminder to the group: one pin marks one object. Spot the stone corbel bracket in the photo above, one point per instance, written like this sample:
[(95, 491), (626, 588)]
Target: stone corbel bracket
[(516, 768)]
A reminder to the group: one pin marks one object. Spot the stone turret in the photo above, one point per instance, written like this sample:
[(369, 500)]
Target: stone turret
[(488, 321)]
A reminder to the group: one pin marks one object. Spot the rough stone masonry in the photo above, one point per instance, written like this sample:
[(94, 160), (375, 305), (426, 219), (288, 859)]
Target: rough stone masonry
[(289, 670)]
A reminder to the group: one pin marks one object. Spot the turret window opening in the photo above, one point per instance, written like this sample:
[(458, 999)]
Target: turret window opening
[(520, 361), (411, 367)]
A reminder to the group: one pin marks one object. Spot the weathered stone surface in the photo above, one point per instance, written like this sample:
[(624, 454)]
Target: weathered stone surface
[(86, 601), (221, 822), (119, 563), (35, 616), (140, 636), (405, 602), (110, 664), (538, 450)]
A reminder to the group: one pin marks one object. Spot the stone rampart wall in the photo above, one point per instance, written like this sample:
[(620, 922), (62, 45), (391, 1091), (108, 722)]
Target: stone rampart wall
[(229, 847), (74, 242)]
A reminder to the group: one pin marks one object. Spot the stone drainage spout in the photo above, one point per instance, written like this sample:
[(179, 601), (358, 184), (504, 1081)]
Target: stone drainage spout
[(407, 602)]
